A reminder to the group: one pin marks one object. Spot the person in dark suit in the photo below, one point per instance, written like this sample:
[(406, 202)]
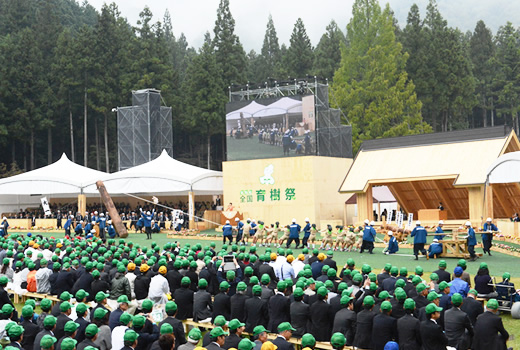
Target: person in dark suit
[(265, 268), (62, 319), (218, 338), (338, 341), (457, 325), (329, 261), (422, 293), (184, 299), (284, 334), (15, 334), (222, 301), (432, 336), (490, 333), (236, 328), (384, 327), (345, 320), (442, 273), (472, 307), (130, 340), (321, 318), (65, 280), (177, 325), (256, 310), (202, 303), (113, 320), (408, 328), (299, 312), (389, 283), (30, 329), (49, 323), (383, 275), (364, 323), (238, 302), (91, 333), (173, 276), (279, 307), (81, 311)]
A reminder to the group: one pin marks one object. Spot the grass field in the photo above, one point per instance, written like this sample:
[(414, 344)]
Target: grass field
[(252, 149), (497, 263)]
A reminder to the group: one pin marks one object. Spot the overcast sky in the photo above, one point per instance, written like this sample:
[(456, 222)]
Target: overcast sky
[(195, 17)]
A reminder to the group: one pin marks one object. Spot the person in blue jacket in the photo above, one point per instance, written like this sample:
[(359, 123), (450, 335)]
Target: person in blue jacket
[(79, 228), (306, 233), (88, 227), (147, 218), (240, 230), (2, 232), (472, 241), (111, 230), (139, 225), (102, 221), (439, 232), (227, 232), (435, 249), (294, 234), (419, 240), (369, 236), (155, 227), (393, 246), (487, 237), (67, 225)]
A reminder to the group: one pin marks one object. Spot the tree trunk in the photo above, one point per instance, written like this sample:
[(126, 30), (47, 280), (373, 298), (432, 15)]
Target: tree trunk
[(492, 113), (13, 152), (49, 145), (25, 156), (209, 151), (71, 136), (85, 135), (31, 161), (107, 165), (97, 144), (517, 129)]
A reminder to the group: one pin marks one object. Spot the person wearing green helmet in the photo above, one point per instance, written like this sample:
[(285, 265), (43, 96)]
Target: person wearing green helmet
[(320, 316), (256, 311), (483, 281), (202, 303), (408, 327), (489, 329), (442, 273), (238, 302), (183, 296), (177, 325), (457, 325), (431, 331), (364, 322), (345, 319), (384, 327)]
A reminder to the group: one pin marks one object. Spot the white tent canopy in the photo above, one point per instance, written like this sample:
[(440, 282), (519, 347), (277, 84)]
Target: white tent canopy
[(282, 106), (163, 175), (62, 177), (505, 169)]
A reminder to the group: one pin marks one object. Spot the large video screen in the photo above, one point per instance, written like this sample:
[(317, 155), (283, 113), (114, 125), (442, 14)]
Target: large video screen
[(271, 128)]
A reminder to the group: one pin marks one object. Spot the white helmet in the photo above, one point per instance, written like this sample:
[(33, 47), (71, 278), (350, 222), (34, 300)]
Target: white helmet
[(227, 221), (237, 219), (109, 222), (468, 223), (372, 223), (95, 212), (367, 222), (390, 233), (81, 221), (293, 221), (418, 222), (253, 220), (441, 222), (435, 240), (92, 231), (101, 214), (307, 220), (147, 213), (489, 220)]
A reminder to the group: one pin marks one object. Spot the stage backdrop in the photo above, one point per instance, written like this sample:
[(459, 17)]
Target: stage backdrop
[(280, 189)]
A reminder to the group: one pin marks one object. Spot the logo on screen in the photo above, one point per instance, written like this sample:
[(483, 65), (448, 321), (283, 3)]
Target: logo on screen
[(268, 178)]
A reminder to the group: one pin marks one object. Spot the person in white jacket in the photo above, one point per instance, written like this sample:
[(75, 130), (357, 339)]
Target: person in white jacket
[(159, 288)]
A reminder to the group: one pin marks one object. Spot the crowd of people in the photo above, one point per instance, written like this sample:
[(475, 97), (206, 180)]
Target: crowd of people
[(120, 295)]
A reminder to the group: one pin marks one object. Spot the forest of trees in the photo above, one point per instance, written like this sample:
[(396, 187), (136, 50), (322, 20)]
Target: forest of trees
[(64, 66)]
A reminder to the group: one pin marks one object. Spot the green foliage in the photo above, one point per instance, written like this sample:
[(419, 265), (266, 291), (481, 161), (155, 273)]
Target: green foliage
[(328, 52), (300, 56), (270, 57), (371, 85)]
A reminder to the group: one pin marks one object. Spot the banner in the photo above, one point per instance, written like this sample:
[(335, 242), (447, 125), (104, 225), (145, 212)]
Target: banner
[(45, 205), (410, 220), (399, 219)]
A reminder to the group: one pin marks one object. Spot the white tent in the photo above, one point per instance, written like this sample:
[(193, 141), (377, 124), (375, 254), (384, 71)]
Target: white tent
[(247, 111), (505, 169), (284, 105), (163, 175), (63, 178)]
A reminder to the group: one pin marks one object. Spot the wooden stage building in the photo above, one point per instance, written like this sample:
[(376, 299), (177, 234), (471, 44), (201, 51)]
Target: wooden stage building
[(423, 170)]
